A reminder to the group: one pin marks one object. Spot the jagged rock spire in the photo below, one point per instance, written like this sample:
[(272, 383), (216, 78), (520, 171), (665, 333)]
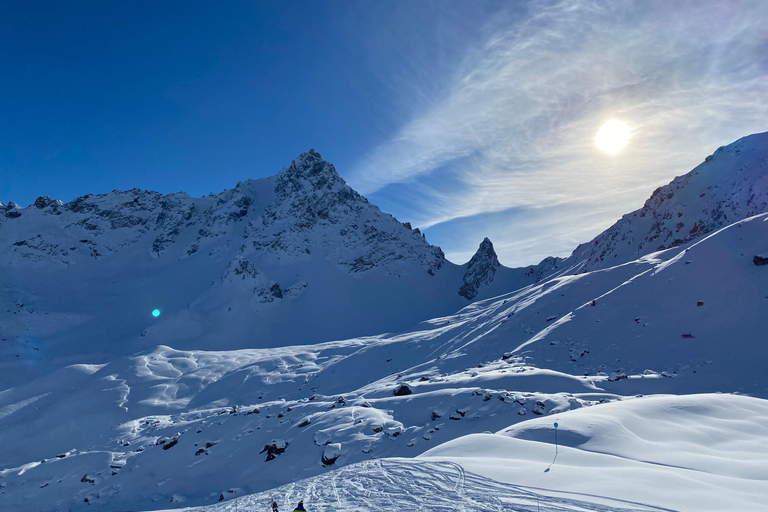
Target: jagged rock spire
[(480, 270)]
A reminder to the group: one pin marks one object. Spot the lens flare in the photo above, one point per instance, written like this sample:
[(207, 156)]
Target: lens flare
[(156, 313), (613, 136)]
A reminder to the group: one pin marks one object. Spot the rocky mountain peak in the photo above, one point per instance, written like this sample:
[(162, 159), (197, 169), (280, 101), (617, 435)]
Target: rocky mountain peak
[(480, 270), (308, 172)]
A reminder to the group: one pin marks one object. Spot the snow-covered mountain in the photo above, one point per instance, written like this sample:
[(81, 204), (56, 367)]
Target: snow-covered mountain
[(730, 185), (108, 409), (296, 258)]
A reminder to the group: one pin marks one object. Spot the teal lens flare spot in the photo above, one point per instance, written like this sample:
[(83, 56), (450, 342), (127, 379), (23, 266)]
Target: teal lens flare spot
[(156, 313)]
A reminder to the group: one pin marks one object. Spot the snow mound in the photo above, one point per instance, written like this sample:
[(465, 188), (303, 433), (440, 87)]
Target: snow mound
[(697, 452)]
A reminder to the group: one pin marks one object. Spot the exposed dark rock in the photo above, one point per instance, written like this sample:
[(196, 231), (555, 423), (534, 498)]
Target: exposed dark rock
[(480, 270), (274, 449), (403, 390), (277, 292)]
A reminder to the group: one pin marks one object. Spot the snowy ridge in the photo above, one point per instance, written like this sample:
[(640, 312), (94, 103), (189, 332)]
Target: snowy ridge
[(305, 207), (730, 185)]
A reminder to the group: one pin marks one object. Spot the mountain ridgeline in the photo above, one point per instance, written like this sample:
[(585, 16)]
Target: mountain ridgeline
[(730, 185), (296, 258)]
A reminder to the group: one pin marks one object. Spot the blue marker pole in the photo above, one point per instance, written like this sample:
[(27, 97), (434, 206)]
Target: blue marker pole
[(553, 460), (556, 439)]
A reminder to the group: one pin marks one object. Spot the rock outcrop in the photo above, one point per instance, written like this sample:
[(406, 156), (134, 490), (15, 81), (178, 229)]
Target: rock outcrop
[(480, 270)]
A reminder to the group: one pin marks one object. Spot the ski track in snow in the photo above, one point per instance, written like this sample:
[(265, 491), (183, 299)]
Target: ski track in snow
[(406, 485)]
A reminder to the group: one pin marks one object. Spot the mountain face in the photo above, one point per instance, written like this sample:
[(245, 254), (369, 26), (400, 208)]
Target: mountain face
[(306, 207), (730, 185), (296, 258)]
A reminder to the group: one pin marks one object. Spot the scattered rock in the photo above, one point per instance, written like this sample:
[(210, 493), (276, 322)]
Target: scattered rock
[(403, 390), (760, 260), (274, 449)]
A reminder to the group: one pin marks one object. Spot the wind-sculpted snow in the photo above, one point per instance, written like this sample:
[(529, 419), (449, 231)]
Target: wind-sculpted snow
[(705, 452), (731, 185)]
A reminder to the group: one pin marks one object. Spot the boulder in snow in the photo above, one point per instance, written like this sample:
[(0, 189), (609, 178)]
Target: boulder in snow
[(331, 453)]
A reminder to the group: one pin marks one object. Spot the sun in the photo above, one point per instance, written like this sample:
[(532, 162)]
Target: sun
[(613, 136)]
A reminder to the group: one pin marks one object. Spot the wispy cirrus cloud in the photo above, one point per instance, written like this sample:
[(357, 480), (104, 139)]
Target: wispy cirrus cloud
[(513, 129)]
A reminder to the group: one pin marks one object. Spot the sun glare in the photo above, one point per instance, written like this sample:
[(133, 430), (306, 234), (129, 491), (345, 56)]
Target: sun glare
[(613, 136)]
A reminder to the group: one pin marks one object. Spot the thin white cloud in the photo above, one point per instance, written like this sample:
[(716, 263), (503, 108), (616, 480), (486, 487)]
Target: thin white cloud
[(515, 126)]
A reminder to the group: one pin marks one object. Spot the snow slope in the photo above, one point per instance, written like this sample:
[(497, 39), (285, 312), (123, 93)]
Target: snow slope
[(410, 484), (687, 453), (730, 185), (143, 427), (696, 452)]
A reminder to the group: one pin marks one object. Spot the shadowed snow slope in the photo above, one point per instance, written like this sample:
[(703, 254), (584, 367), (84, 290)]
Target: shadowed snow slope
[(698, 452)]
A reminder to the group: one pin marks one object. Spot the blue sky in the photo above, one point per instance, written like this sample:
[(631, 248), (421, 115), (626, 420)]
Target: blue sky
[(471, 119)]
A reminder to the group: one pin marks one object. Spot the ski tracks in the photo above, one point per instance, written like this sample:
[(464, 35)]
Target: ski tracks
[(398, 485)]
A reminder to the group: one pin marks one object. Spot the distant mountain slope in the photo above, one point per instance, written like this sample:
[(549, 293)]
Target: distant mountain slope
[(730, 185)]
